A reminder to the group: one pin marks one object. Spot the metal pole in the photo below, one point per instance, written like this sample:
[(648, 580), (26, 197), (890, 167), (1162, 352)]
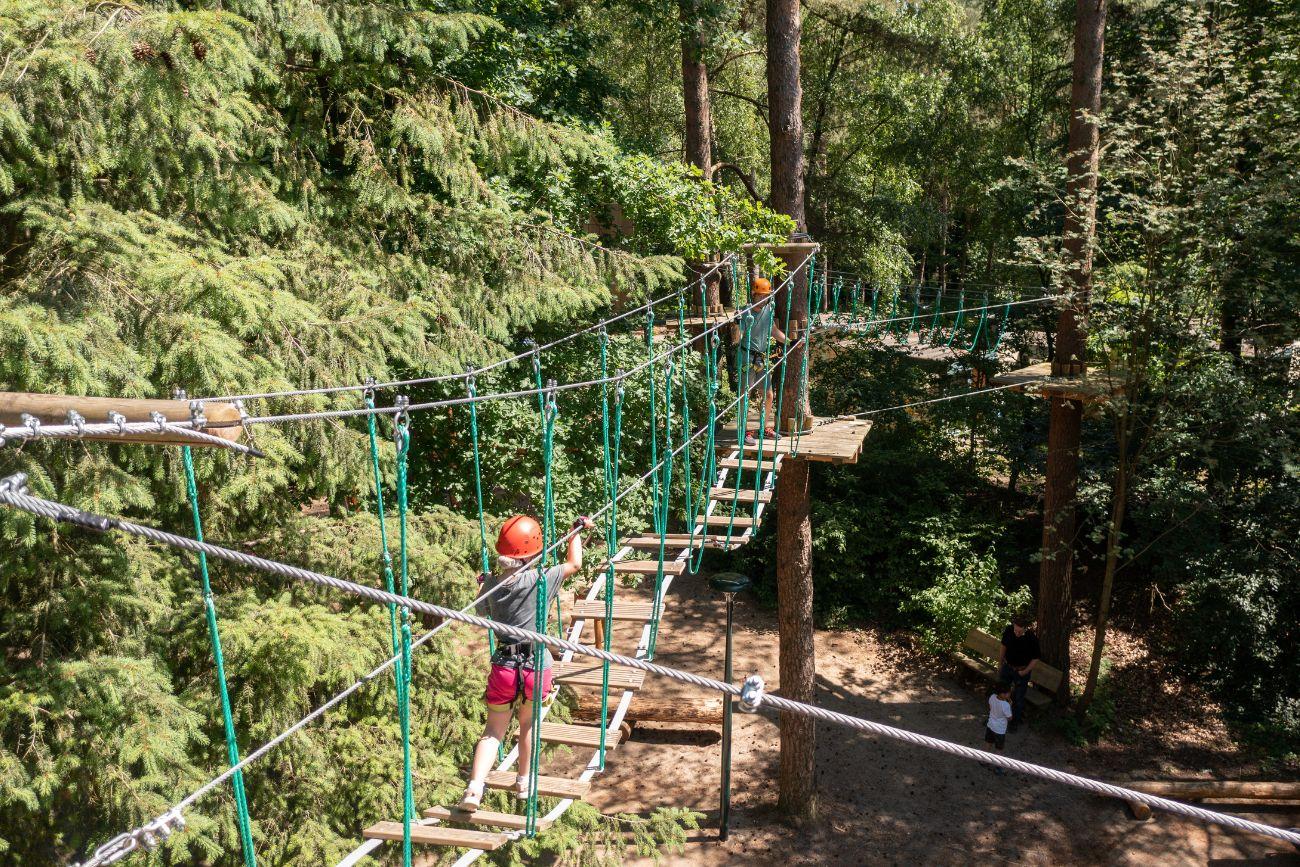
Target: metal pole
[(724, 813)]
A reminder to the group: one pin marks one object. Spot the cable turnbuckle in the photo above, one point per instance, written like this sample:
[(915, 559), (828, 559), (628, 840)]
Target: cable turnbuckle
[(751, 693)]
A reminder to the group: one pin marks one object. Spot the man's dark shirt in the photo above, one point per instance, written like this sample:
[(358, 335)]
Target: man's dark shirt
[(1020, 650)]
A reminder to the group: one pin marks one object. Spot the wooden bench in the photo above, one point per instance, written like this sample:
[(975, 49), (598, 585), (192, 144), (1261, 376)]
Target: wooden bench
[(979, 652)]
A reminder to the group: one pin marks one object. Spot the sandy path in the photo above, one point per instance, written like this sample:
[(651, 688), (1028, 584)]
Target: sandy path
[(882, 802)]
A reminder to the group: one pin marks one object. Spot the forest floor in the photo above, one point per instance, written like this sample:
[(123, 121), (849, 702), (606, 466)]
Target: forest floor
[(885, 802)]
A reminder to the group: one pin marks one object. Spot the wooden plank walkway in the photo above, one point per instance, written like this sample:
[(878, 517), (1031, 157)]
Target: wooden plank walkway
[(1095, 386), (831, 441)]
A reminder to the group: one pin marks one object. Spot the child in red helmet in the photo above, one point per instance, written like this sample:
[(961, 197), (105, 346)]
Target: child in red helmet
[(515, 674)]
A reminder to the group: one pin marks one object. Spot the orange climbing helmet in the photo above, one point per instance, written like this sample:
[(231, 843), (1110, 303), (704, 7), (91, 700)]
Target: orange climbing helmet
[(762, 286), (520, 538)]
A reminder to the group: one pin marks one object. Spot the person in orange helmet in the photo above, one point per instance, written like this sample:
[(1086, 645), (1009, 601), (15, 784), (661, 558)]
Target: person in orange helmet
[(754, 344), (515, 675)]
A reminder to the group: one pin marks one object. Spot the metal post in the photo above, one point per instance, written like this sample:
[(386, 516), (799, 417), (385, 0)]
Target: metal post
[(729, 584)]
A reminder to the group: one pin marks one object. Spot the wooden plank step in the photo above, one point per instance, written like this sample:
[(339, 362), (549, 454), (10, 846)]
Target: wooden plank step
[(513, 821), (578, 736), (676, 542), (723, 495), (586, 671), (594, 609), (769, 462), (437, 835), (551, 787), (742, 522), (645, 567)]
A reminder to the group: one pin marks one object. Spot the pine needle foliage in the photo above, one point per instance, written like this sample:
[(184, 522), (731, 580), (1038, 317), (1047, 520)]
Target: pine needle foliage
[(247, 196)]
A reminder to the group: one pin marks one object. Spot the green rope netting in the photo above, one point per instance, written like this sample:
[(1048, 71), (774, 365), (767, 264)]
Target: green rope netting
[(214, 636)]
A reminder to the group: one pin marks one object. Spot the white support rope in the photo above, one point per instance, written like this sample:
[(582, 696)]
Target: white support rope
[(752, 695), (13, 492), (946, 397), (82, 429), (487, 368)]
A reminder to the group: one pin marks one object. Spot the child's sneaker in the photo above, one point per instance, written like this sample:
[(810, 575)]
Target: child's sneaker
[(473, 796), (750, 439)]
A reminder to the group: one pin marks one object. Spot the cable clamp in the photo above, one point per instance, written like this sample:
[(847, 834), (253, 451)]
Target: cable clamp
[(118, 419), (618, 392), (471, 381), (15, 484), (78, 421), (368, 390), (160, 420), (3, 441), (751, 693), (551, 405), (198, 420), (32, 423), (401, 421)]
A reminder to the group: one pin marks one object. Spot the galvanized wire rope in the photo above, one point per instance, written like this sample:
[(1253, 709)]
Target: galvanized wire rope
[(752, 694), (477, 371), (13, 493)]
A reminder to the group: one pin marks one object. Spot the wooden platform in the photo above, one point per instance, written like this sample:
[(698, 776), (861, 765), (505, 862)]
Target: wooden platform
[(587, 672), (579, 736), (1096, 386), (513, 821), (551, 787), (739, 522), (831, 441), (594, 609), (746, 495), (644, 567), (437, 835), (678, 542)]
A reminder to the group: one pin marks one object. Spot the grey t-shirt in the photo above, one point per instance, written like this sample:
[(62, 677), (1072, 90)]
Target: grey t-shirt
[(516, 602), (760, 331)]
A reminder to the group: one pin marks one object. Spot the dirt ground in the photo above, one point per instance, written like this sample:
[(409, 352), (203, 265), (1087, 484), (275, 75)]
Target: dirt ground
[(885, 802)]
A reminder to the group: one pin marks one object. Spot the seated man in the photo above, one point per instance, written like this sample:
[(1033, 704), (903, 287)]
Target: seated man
[(516, 677), (1016, 659)]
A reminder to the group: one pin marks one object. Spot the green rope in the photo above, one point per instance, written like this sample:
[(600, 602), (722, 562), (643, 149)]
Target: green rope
[(549, 412), (935, 320), (214, 636), (916, 308), (780, 394), (803, 372), (853, 298), (891, 327), (485, 562), (385, 557), (662, 506), (611, 461), (872, 324), (548, 517), (984, 314), (961, 316), (1002, 329), (839, 287), (742, 417), (402, 435), (698, 508)]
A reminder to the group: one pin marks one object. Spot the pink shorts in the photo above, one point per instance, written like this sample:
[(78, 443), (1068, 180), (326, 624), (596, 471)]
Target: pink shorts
[(505, 685)]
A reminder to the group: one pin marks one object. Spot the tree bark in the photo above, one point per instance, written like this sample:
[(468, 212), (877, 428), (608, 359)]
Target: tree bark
[(1118, 504), (796, 773), (1066, 422), (699, 124)]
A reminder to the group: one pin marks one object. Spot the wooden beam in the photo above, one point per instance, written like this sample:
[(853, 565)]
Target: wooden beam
[(649, 709), (223, 419), (551, 787), (437, 835)]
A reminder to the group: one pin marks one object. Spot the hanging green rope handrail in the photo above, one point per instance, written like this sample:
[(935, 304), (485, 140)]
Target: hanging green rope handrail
[(935, 321), (402, 436), (214, 637), (386, 558), (872, 324), (979, 326), (548, 516), (742, 416), (662, 506), (1002, 330), (853, 299), (549, 412), (803, 373), (811, 265), (916, 309), (961, 316), (611, 466)]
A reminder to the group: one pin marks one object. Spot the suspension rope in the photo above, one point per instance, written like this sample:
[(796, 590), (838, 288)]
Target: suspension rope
[(979, 326), (611, 477), (214, 637), (402, 437), (549, 412), (752, 694), (386, 558)]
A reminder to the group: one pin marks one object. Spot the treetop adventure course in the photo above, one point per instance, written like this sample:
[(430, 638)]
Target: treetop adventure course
[(724, 481)]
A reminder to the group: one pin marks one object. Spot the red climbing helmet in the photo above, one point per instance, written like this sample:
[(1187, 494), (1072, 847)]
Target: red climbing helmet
[(520, 538)]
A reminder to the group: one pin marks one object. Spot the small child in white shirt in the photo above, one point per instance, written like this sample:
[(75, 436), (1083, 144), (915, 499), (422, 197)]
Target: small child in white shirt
[(995, 730)]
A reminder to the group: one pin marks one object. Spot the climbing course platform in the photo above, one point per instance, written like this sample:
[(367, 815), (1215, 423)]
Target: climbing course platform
[(1094, 386), (831, 441), (732, 513)]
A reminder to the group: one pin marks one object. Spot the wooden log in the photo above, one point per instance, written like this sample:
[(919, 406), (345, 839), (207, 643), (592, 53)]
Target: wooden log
[(649, 709), (1194, 790), (223, 419)]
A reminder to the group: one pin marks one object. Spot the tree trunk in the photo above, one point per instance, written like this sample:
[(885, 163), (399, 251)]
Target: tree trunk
[(796, 779), (796, 773), (1118, 504), (699, 124), (1066, 422)]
